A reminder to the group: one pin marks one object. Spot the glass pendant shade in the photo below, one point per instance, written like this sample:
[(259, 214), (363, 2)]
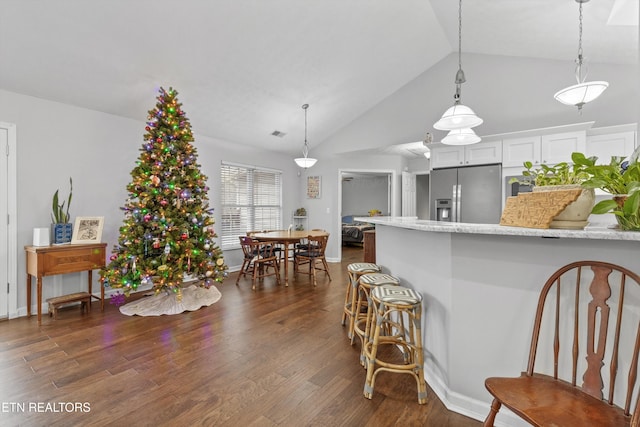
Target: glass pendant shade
[(580, 94), (461, 137), (458, 117), (305, 162)]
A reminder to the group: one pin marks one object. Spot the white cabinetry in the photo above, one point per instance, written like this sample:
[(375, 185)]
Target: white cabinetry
[(443, 156), (558, 147), (605, 146), (446, 156), (548, 149), (518, 150)]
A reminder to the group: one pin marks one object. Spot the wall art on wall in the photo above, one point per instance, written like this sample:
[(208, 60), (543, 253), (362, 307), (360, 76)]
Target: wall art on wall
[(87, 229), (313, 187)]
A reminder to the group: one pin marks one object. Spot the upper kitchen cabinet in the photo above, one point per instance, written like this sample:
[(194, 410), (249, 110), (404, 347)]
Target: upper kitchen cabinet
[(518, 150), (482, 153), (558, 147), (549, 149), (612, 141)]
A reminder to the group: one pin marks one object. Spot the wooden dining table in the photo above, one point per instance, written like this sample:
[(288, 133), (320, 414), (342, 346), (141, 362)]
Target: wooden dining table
[(287, 238)]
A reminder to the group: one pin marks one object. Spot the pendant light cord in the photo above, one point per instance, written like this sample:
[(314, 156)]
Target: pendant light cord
[(305, 150), (460, 35), (579, 60), (460, 78)]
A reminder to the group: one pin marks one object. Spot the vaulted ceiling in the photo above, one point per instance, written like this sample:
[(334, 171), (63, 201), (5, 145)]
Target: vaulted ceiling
[(243, 68)]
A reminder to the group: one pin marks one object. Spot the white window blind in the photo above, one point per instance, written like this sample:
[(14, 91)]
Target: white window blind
[(251, 200)]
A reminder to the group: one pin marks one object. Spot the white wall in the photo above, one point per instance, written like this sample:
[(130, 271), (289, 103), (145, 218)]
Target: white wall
[(323, 212), (361, 194), (98, 150)]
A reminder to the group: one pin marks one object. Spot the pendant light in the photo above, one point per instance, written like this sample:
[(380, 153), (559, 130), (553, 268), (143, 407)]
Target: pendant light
[(305, 161), (461, 137), (459, 116), (583, 92)]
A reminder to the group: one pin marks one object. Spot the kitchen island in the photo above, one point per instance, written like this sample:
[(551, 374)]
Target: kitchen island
[(480, 284)]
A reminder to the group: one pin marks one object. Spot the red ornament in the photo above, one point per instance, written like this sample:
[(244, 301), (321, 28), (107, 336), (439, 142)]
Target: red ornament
[(158, 139), (184, 236), (163, 202)]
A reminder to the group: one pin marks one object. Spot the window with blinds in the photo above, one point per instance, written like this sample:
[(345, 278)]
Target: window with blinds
[(251, 200)]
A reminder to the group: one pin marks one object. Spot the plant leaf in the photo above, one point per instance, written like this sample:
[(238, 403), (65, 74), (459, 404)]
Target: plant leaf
[(604, 206), (632, 204), (69, 200), (55, 207)]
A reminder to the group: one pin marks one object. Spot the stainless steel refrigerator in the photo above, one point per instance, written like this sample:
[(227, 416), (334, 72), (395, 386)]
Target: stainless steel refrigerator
[(468, 194)]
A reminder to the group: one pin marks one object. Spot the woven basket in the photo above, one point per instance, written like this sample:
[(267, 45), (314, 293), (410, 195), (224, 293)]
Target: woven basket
[(537, 209)]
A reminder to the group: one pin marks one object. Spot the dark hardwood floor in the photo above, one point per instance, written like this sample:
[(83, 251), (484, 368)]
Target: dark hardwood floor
[(274, 357)]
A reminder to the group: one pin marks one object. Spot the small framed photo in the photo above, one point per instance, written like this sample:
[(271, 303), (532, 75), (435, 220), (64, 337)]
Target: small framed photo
[(87, 229), (313, 187)]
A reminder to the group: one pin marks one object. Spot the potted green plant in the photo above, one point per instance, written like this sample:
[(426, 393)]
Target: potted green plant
[(61, 228), (565, 176), (621, 179)]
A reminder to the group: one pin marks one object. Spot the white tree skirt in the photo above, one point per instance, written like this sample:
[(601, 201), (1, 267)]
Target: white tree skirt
[(193, 297)]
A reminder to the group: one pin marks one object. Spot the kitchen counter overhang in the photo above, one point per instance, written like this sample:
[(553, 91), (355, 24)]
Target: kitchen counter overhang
[(600, 232)]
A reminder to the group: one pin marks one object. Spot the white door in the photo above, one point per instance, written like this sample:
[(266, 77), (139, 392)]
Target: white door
[(408, 194), (8, 260)]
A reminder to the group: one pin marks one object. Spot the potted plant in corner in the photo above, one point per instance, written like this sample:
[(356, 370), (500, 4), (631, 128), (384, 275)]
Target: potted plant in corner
[(621, 179), (61, 228), (565, 176)]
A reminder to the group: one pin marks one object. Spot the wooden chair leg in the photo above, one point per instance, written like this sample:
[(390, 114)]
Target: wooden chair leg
[(326, 268), (347, 301), (254, 277), (495, 407), (312, 265), (242, 272)]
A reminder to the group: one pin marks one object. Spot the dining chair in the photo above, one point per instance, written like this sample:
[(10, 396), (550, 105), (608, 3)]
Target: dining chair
[(258, 257), (304, 243), (583, 357), (313, 256), (278, 248)]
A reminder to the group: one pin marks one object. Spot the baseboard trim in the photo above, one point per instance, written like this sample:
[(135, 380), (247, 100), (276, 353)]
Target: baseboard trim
[(468, 406)]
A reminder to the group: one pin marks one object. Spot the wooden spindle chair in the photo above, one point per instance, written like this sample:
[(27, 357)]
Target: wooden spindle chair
[(258, 257), (313, 256), (592, 311)]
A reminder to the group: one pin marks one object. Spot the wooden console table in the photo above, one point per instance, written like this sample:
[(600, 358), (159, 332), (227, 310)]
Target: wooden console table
[(62, 259)]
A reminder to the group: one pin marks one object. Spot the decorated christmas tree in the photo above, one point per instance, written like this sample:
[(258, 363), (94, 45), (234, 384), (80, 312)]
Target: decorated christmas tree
[(167, 234)]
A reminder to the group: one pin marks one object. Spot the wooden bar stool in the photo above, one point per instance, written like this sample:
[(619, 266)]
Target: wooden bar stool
[(355, 270), (363, 319), (392, 304)]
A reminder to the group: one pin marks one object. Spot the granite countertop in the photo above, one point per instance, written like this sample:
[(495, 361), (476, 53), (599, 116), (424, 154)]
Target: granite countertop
[(598, 232)]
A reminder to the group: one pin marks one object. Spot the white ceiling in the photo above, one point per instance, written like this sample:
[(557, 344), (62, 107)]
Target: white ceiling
[(243, 68)]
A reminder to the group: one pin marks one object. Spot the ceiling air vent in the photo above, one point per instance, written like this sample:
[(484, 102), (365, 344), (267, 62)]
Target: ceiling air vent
[(278, 133)]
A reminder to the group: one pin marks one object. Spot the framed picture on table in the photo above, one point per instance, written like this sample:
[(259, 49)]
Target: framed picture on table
[(313, 187), (87, 229)]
